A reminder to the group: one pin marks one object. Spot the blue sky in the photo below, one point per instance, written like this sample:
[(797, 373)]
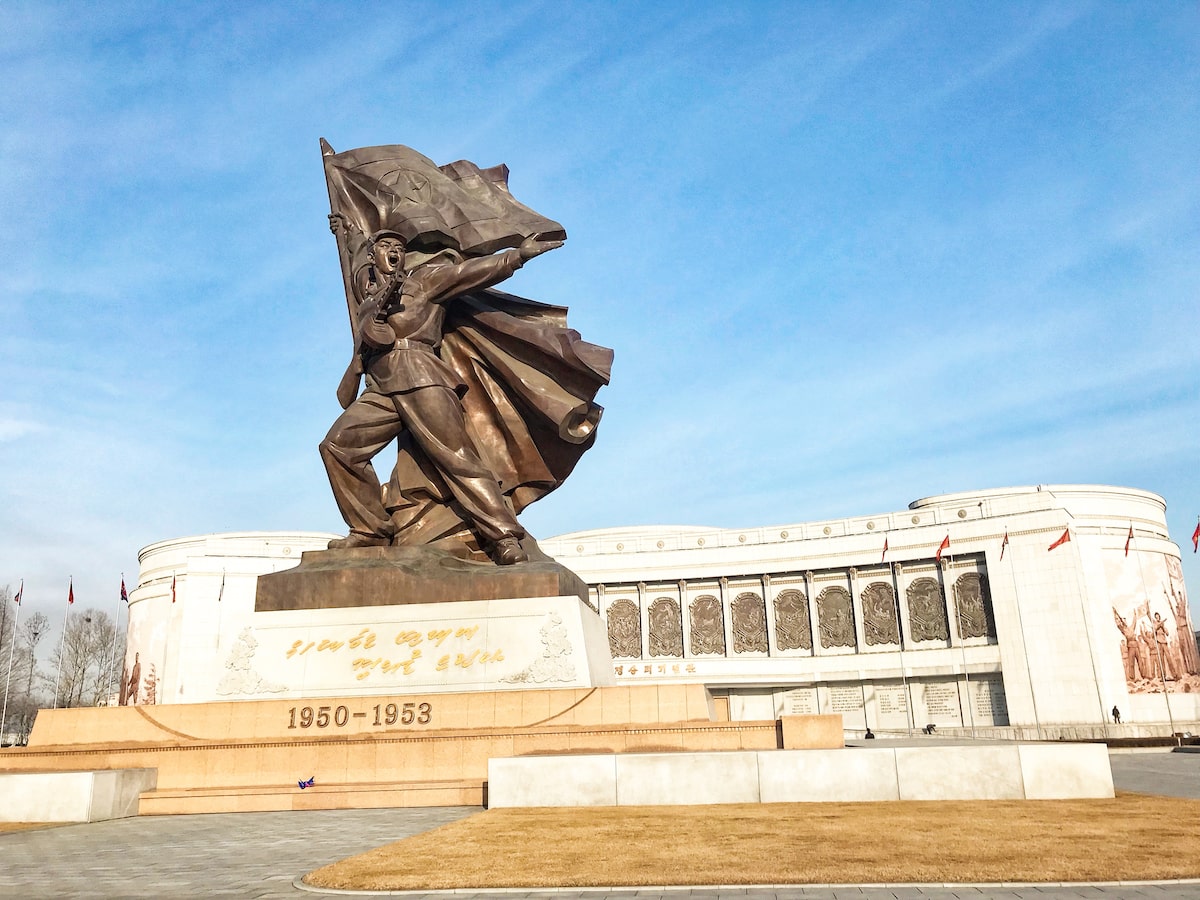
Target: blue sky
[(848, 254)]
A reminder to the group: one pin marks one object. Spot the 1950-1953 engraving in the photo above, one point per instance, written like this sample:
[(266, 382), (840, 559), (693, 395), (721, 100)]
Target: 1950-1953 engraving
[(381, 714)]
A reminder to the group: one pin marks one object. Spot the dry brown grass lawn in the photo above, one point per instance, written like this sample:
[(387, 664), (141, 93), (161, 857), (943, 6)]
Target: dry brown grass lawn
[(1129, 838)]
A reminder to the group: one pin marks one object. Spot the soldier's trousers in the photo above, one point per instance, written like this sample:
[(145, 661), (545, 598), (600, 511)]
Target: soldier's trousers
[(434, 417)]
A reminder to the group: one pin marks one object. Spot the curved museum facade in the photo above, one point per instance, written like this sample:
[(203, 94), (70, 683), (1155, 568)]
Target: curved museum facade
[(1037, 609)]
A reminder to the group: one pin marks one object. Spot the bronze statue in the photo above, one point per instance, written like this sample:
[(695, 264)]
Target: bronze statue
[(489, 396)]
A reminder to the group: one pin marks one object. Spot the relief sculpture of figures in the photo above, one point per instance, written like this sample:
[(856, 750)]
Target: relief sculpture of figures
[(879, 614), (490, 397), (791, 621)]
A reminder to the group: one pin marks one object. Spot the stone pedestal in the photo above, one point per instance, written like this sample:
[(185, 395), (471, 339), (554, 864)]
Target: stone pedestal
[(464, 645), (391, 576)]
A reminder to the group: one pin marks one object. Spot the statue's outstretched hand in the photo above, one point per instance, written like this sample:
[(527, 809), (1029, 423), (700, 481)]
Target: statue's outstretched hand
[(532, 247)]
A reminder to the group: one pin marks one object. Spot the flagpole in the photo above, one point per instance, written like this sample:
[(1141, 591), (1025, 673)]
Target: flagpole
[(12, 645), (112, 654), (220, 596), (1087, 627), (62, 641), (1012, 571), (900, 636), (962, 648)]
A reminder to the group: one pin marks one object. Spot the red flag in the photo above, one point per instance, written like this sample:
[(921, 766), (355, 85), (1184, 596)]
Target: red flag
[(1196, 537), (1003, 544), (71, 592), (1065, 539), (1128, 539), (172, 588), (884, 557), (20, 591), (124, 593), (944, 545)]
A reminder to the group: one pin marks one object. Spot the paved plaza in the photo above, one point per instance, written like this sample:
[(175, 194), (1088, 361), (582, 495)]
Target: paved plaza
[(260, 855)]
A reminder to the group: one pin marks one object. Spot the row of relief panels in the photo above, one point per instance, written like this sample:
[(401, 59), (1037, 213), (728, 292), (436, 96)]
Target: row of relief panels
[(850, 607)]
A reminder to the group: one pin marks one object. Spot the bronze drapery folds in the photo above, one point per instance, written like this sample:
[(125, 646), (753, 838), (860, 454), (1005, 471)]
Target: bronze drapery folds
[(491, 397)]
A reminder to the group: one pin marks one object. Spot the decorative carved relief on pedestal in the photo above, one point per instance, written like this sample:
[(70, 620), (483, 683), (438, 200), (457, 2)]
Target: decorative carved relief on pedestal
[(974, 603), (793, 631), (749, 624), (879, 614), (835, 615), (241, 678), (926, 611), (555, 662), (624, 629), (666, 628), (708, 625)]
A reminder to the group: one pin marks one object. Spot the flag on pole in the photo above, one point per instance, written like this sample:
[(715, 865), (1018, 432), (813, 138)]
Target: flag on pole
[(1129, 538), (20, 591), (124, 593), (1196, 535), (1003, 544), (71, 591), (885, 549), (221, 592), (1065, 539), (944, 545), (172, 588)]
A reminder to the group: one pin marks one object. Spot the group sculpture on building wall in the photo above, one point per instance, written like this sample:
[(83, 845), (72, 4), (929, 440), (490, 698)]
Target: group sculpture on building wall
[(745, 613), (1157, 643)]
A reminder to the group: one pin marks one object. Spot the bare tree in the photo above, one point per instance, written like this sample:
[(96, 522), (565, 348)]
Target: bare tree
[(24, 704), (84, 667)]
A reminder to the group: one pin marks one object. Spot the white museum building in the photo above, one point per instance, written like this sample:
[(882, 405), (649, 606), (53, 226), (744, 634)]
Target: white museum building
[(1029, 611)]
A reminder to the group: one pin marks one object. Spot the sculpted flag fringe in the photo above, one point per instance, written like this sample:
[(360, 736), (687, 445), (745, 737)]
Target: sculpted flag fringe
[(1065, 539), (944, 545)]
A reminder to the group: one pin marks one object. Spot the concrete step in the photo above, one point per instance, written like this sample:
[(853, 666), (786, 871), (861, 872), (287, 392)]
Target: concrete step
[(282, 797)]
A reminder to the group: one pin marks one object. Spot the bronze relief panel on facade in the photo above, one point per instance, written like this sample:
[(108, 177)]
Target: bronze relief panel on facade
[(926, 611), (708, 625), (749, 624), (974, 604), (793, 631), (879, 614), (666, 628), (624, 629), (835, 615)]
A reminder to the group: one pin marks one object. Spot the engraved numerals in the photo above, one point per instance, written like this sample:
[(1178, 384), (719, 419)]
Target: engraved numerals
[(385, 714)]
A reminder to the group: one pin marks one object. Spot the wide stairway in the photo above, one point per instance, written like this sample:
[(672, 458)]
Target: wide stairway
[(376, 751)]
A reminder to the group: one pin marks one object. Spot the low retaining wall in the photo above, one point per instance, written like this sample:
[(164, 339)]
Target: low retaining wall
[(1016, 772), (73, 796)]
